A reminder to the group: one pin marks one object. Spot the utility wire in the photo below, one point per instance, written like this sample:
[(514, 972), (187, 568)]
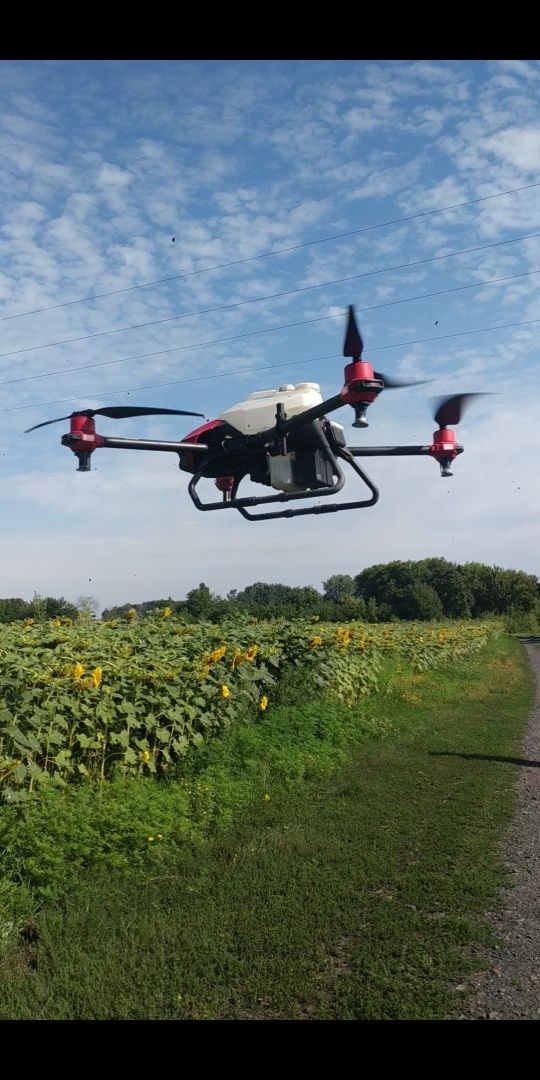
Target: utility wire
[(270, 296), (269, 367), (264, 330), (269, 254)]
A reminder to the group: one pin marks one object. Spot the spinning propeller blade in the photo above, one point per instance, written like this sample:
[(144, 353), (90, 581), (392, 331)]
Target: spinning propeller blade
[(353, 344), (450, 410), (390, 383), (117, 412)]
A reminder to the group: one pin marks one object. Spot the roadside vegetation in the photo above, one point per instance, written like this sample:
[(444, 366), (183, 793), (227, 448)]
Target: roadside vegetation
[(325, 849)]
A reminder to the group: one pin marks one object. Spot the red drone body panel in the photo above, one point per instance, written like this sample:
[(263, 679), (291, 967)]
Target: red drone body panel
[(199, 436)]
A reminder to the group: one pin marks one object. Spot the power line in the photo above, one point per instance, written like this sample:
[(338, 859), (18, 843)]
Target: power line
[(264, 330), (271, 367), (269, 254), (270, 296)]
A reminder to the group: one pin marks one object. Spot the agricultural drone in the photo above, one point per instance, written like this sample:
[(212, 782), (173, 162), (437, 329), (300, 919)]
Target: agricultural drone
[(281, 439)]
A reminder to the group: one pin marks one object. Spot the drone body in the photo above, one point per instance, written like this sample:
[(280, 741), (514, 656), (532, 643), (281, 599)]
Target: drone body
[(298, 467), (281, 439)]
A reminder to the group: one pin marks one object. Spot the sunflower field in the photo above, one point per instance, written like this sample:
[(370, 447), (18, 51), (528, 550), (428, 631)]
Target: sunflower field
[(92, 700)]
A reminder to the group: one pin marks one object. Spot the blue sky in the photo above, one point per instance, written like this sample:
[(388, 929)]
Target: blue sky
[(104, 162)]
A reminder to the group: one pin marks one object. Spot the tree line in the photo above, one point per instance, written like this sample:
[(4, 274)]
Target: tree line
[(410, 590), (40, 607)]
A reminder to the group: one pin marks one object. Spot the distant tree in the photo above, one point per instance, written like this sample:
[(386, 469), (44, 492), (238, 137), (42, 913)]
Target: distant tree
[(202, 604), (13, 608), (391, 585), (273, 600), (423, 589), (517, 590), (117, 611), (448, 582), (410, 590), (87, 606), (494, 590), (339, 587), (423, 602), (56, 607), (40, 607), (480, 582), (472, 589)]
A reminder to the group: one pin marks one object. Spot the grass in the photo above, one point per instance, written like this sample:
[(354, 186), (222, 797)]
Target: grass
[(355, 891)]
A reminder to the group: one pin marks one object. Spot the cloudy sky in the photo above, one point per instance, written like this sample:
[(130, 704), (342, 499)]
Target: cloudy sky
[(292, 188)]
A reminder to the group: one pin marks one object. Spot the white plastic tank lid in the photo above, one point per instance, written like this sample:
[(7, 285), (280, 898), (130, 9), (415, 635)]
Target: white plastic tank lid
[(286, 386), (307, 386)]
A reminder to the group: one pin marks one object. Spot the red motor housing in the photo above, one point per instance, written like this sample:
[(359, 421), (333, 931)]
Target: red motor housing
[(444, 449), (444, 445), (361, 389), (83, 439), (360, 371)]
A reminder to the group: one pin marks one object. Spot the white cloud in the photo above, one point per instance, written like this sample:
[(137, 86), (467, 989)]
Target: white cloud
[(517, 146), (525, 69), (234, 159), (111, 176)]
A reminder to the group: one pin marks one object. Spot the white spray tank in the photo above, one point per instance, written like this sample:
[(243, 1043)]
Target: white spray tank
[(258, 411)]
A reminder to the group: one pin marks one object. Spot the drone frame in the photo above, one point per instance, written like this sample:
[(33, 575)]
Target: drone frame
[(83, 439), (231, 501), (362, 385)]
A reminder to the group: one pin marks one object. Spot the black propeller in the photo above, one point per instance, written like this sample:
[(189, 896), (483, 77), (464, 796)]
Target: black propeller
[(118, 412), (390, 383), (450, 410), (353, 346)]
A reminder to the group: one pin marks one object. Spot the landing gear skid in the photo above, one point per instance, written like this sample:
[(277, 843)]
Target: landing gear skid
[(231, 502)]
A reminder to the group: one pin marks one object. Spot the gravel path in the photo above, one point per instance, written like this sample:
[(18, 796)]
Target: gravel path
[(510, 987)]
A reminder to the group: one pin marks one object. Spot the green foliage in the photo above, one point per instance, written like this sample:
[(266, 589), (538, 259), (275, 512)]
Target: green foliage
[(352, 885), (41, 607), (93, 713), (424, 602), (426, 589), (13, 609), (339, 587), (317, 713), (86, 700), (201, 604), (65, 830), (454, 591), (522, 622), (92, 700)]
